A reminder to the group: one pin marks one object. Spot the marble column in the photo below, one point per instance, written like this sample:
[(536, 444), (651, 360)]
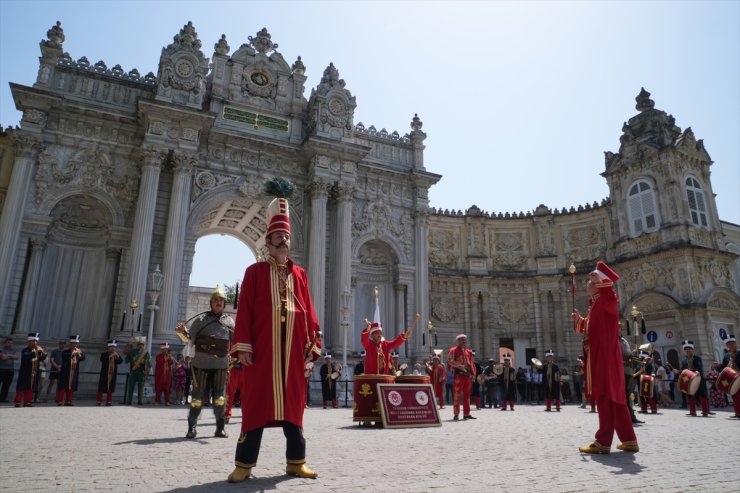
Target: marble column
[(401, 322), (487, 351), (141, 236), (317, 247), (30, 290), (471, 327), (343, 266), (421, 262), (173, 244), (11, 221), (110, 281)]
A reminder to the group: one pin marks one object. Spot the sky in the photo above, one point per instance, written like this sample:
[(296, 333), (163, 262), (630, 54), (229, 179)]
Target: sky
[(519, 100)]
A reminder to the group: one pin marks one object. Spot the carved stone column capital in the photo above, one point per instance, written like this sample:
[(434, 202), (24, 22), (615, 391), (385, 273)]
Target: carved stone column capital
[(38, 244), (319, 189), (26, 145), (344, 191), (152, 158), (184, 162)]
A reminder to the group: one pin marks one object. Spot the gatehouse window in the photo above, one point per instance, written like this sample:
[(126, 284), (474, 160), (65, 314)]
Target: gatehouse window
[(643, 213), (697, 206)]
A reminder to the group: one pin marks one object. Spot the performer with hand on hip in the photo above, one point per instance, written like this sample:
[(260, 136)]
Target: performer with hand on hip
[(604, 363)]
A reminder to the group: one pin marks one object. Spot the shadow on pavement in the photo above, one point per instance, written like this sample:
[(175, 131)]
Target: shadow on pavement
[(624, 462), (252, 484), (151, 441)]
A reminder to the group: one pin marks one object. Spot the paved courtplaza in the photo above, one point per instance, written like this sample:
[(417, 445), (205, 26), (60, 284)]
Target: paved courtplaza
[(121, 448)]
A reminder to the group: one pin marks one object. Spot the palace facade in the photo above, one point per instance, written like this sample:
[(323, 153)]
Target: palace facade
[(112, 173)]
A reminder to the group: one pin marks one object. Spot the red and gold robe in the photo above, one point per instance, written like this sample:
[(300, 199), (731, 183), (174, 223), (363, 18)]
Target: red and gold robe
[(603, 366), (163, 372), (274, 385), (375, 353)]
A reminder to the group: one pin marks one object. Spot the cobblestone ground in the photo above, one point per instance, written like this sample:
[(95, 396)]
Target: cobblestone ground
[(142, 449)]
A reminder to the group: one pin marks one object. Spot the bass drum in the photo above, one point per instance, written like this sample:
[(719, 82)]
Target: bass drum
[(729, 381), (689, 381), (647, 386), (418, 379), (367, 407)]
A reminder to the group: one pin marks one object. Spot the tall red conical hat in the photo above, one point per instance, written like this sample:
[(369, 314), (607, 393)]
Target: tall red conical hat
[(278, 216), (278, 213), (605, 272)]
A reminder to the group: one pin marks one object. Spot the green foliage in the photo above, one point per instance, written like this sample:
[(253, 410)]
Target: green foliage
[(279, 187)]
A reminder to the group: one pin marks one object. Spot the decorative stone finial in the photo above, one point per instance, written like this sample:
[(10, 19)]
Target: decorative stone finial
[(644, 102), (298, 67), (416, 123), (331, 74), (56, 35), (187, 37), (262, 42), (222, 47)]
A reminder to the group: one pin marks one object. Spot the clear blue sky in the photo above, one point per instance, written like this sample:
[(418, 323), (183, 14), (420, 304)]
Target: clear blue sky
[(519, 99)]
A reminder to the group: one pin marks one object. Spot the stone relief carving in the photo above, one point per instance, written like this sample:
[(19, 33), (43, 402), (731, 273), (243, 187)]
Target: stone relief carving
[(258, 80), (82, 213), (443, 250), (477, 240), (585, 242), (444, 309), (378, 218), (514, 311), (509, 250), (545, 239), (182, 69), (724, 304), (207, 180), (35, 116), (331, 106), (89, 168), (376, 253)]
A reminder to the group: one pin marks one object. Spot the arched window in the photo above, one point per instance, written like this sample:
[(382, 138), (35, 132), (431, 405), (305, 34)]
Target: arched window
[(643, 212), (697, 207)]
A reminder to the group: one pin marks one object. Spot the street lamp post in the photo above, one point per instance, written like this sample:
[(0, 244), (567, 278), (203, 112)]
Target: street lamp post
[(635, 313), (156, 279), (133, 305)]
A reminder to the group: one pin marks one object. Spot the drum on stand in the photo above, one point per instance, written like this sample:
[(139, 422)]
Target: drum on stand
[(367, 407), (419, 379), (689, 381), (729, 381), (647, 386)]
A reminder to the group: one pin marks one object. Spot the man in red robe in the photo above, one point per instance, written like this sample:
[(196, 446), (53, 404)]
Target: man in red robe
[(275, 335), (378, 350), (605, 370), (438, 376), (460, 359), (163, 374)]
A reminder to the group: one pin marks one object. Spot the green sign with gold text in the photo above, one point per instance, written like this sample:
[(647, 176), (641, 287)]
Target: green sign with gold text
[(255, 119)]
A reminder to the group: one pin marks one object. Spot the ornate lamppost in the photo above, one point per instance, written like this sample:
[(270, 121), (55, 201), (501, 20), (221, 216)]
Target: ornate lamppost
[(156, 278), (635, 314), (133, 305)]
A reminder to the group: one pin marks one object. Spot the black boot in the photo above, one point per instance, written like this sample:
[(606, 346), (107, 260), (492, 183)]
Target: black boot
[(220, 432), (192, 422), (192, 432)]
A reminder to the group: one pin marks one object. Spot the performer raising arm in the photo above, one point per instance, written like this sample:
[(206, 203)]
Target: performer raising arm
[(377, 349)]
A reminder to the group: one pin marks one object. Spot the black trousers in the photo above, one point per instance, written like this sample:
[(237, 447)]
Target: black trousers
[(248, 446), (6, 378)]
